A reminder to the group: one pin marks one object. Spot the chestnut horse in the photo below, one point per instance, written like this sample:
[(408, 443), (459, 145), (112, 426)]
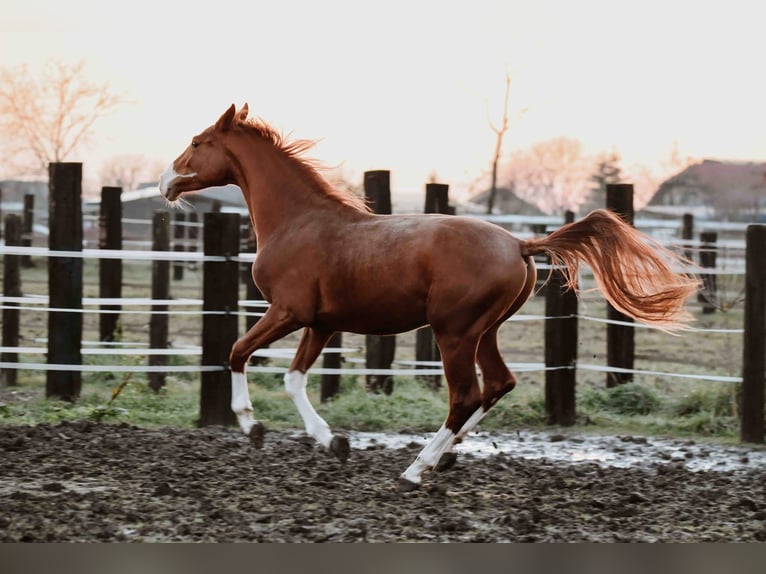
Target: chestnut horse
[(327, 264)]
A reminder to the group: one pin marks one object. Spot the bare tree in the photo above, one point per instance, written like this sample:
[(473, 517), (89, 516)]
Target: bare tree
[(129, 170), (46, 118), (499, 132)]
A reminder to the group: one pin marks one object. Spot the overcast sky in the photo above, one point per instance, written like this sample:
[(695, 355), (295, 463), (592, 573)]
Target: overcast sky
[(408, 86)]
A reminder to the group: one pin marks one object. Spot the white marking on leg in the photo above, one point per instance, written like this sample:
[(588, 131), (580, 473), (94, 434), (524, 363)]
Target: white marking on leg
[(295, 385), (167, 178), (472, 421), (430, 455), (467, 427), (240, 402)]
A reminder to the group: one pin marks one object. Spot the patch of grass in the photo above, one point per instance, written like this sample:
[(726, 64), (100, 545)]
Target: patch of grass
[(717, 401), (628, 399), (137, 404), (708, 424), (411, 407), (639, 408), (517, 409)]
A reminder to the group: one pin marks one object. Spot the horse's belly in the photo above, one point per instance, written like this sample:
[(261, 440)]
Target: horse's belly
[(379, 317)]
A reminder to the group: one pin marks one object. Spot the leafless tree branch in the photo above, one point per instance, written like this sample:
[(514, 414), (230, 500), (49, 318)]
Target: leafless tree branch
[(500, 132), (45, 118)]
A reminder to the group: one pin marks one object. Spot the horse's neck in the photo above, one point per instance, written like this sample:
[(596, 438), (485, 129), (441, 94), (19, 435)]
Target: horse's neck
[(274, 189)]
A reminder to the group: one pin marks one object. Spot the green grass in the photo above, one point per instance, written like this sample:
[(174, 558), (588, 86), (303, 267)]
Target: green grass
[(631, 408)]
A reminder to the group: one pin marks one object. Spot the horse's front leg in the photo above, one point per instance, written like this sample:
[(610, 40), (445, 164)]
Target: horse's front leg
[(274, 325), (311, 344)]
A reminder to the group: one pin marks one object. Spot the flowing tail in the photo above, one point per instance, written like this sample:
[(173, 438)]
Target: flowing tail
[(632, 271)]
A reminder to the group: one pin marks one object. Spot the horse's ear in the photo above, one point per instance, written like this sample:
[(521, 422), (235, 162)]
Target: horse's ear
[(242, 113), (225, 121)]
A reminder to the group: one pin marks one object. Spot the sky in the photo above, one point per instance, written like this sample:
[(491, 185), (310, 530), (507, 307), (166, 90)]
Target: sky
[(409, 86)]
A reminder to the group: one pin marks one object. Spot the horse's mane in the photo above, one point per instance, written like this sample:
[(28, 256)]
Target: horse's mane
[(309, 168)]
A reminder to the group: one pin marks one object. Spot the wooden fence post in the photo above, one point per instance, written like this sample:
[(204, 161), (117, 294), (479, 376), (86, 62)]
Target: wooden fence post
[(330, 384), (687, 233), (380, 349), (560, 348), (158, 323), (220, 294), (110, 270), (11, 288), (708, 293), (754, 348), (65, 280), (377, 190), (179, 244), (620, 339), (28, 228), (193, 235), (426, 349), (437, 199)]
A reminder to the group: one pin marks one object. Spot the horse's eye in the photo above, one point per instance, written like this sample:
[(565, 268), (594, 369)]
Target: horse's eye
[(194, 144)]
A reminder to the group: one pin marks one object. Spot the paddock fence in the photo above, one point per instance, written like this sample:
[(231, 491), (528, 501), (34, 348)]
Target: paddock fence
[(226, 253)]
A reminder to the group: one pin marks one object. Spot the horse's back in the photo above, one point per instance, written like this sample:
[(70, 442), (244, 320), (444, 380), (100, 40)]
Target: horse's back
[(396, 272)]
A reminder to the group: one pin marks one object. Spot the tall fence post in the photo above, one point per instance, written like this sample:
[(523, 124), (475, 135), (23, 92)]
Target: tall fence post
[(65, 280), (330, 383), (754, 347), (179, 244), (380, 349), (708, 293), (426, 349), (110, 270), (11, 288), (28, 228), (158, 324), (687, 234), (220, 295), (560, 347), (620, 338), (193, 236)]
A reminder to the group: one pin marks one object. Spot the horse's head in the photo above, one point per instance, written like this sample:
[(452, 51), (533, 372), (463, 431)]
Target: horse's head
[(204, 163)]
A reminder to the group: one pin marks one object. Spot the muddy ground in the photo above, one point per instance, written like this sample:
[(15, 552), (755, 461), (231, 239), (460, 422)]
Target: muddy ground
[(95, 482)]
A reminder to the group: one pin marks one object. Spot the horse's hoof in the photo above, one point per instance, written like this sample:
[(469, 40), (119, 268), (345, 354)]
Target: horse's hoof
[(340, 447), (446, 462), (406, 485), (257, 432)]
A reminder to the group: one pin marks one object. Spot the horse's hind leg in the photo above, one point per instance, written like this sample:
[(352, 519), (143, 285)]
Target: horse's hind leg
[(497, 381), (311, 344), (458, 356), (496, 377)]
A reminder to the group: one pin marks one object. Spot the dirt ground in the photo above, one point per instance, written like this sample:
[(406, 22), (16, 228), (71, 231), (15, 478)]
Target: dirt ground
[(96, 482)]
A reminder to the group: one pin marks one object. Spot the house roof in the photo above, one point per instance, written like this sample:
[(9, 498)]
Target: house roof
[(507, 201), (713, 178)]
